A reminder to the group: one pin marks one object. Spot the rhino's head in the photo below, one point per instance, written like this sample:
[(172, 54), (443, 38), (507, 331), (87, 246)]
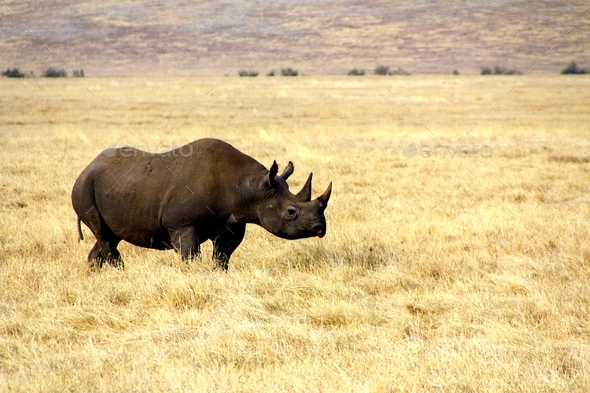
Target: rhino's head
[(287, 215)]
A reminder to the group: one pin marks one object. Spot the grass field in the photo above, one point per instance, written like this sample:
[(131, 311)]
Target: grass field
[(464, 273)]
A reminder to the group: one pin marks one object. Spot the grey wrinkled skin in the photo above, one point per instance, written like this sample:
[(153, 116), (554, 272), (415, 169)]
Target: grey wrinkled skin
[(179, 200)]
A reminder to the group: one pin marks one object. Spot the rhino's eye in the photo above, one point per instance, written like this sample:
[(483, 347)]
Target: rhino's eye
[(291, 211)]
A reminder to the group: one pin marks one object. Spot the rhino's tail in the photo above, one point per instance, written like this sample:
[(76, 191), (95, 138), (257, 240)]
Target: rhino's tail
[(80, 234)]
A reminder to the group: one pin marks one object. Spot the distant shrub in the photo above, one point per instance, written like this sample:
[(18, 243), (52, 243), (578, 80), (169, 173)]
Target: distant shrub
[(289, 72), (78, 73), (248, 73), (573, 69), (381, 70), (356, 72), (271, 73), (486, 71), (505, 71), (455, 72), (398, 71), (55, 73), (497, 70), (13, 73)]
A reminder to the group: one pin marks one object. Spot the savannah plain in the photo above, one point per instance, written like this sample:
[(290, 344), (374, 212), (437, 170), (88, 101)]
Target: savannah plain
[(450, 274)]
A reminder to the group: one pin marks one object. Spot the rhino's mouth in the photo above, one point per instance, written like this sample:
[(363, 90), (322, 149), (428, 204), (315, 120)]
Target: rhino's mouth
[(319, 231)]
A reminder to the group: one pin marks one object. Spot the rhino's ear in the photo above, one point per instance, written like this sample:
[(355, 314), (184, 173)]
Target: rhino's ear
[(288, 171), (323, 199), (305, 194), (270, 179)]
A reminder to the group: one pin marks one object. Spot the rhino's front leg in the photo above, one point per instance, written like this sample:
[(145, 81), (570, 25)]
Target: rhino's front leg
[(186, 242), (227, 242)]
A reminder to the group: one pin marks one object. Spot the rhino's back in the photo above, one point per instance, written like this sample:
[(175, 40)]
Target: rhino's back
[(153, 175)]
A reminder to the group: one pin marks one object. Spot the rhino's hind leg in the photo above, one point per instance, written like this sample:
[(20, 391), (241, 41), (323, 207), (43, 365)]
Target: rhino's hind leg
[(186, 242), (226, 243), (105, 251)]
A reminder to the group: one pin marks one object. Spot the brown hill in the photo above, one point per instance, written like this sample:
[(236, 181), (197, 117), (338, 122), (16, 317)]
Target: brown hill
[(216, 37)]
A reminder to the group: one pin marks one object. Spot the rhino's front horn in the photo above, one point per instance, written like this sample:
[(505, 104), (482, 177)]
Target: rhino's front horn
[(323, 199), (305, 194)]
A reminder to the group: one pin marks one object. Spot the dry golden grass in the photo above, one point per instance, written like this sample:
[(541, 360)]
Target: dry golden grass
[(437, 274)]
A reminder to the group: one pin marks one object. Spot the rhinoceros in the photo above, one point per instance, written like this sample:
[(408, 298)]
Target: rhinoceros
[(205, 190)]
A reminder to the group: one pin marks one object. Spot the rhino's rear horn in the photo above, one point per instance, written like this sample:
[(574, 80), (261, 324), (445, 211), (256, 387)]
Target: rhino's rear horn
[(305, 194), (274, 169), (323, 199), (288, 171)]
